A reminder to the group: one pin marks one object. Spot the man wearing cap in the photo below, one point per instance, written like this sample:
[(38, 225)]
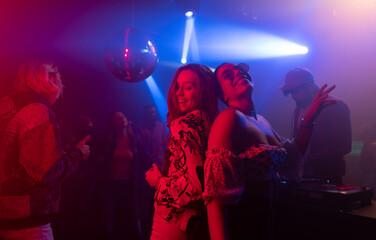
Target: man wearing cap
[(331, 133)]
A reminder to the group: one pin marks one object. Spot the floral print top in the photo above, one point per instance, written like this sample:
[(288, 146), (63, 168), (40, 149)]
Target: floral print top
[(178, 195), (226, 173)]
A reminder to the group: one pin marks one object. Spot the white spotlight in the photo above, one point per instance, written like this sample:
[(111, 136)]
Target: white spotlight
[(189, 14), (304, 50)]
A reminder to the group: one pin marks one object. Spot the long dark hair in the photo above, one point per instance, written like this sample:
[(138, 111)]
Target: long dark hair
[(208, 93), (111, 133)]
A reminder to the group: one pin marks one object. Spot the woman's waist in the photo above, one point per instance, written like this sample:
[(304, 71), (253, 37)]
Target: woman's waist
[(166, 207), (180, 216)]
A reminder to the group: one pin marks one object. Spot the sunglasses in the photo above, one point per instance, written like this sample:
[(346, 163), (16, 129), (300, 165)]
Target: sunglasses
[(242, 67), (297, 89)]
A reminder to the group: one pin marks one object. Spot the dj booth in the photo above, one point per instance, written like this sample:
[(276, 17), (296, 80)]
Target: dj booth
[(311, 210)]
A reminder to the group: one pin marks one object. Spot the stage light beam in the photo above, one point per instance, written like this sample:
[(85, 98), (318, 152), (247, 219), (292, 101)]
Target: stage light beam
[(159, 99), (189, 24), (243, 43)]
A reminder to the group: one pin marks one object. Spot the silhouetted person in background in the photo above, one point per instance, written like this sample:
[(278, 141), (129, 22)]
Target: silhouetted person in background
[(74, 219), (119, 188), (368, 155), (151, 140), (151, 135), (331, 132), (32, 163)]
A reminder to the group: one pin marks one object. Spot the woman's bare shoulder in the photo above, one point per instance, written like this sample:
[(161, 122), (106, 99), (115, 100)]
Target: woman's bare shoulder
[(224, 129), (227, 118)]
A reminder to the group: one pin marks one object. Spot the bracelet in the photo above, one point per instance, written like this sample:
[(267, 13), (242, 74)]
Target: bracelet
[(309, 126)]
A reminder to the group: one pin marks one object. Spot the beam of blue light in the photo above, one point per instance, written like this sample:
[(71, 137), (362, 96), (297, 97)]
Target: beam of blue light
[(170, 64), (231, 42), (159, 99), (187, 37), (194, 47)]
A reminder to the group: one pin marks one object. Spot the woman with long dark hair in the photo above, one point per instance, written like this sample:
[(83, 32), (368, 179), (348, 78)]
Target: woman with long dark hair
[(244, 156), (192, 104)]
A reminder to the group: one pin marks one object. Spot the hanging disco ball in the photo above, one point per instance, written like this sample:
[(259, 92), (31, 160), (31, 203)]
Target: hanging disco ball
[(131, 55)]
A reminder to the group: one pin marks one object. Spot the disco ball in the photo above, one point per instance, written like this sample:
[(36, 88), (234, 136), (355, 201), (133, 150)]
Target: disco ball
[(131, 55)]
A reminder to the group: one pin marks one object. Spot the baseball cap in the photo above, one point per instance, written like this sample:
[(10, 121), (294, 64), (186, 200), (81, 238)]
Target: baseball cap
[(296, 78)]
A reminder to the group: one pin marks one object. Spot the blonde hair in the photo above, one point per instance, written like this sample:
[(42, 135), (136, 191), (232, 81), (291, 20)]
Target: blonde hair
[(40, 77)]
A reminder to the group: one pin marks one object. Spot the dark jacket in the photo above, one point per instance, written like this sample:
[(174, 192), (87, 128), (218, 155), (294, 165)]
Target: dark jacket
[(32, 164)]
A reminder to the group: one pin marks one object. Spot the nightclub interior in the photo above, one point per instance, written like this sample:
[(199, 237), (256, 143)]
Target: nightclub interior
[(118, 56)]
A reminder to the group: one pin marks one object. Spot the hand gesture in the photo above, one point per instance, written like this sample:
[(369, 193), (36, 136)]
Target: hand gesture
[(85, 149), (318, 104), (153, 175)]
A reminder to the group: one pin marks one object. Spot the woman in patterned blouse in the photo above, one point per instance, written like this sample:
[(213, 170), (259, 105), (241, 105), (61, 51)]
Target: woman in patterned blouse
[(243, 158), (192, 104)]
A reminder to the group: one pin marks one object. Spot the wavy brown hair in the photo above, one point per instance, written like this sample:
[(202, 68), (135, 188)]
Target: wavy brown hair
[(208, 92)]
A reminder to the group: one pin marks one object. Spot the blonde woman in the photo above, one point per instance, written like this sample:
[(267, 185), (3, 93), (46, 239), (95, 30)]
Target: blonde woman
[(32, 164)]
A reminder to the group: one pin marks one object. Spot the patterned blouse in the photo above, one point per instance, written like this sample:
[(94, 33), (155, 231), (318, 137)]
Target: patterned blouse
[(178, 195), (227, 173)]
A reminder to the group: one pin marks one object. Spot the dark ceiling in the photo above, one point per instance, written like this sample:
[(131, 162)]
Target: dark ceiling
[(340, 35)]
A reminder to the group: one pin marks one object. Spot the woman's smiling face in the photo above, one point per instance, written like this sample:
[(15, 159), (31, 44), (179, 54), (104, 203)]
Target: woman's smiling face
[(234, 81), (188, 91)]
